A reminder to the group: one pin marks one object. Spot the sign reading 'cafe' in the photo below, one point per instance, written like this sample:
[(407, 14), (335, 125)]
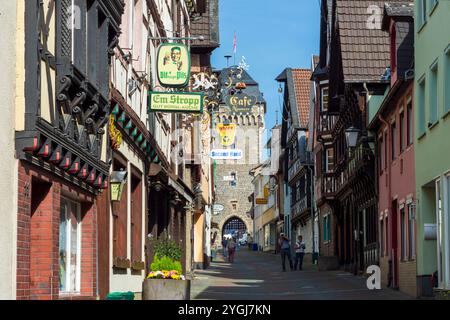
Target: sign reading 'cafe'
[(241, 102)]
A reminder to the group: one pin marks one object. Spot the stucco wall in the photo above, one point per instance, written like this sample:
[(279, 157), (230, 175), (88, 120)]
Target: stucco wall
[(432, 150), (8, 169)]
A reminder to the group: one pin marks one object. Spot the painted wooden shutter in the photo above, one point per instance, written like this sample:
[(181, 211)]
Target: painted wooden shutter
[(136, 220), (120, 226)]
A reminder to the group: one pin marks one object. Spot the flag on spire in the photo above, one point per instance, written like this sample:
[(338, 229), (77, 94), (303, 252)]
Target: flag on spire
[(234, 43)]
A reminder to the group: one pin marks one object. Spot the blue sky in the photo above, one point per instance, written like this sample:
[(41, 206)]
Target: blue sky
[(272, 35)]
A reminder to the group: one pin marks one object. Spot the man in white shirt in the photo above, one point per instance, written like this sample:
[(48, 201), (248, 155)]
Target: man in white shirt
[(299, 252)]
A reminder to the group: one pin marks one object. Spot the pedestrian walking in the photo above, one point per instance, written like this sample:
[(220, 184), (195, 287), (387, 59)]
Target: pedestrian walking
[(231, 249), (285, 247), (299, 248), (224, 246)]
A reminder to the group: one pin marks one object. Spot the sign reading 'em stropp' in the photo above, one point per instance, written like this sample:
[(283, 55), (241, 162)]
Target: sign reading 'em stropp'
[(175, 102)]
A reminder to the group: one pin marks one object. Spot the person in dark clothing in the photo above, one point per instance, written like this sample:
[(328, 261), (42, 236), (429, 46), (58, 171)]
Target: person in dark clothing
[(285, 248)]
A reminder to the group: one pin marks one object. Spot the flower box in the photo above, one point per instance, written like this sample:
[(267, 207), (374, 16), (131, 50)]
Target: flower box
[(166, 289)]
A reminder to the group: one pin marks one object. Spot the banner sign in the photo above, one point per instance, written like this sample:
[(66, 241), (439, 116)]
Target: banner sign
[(187, 102), (227, 133), (226, 154), (241, 102), (173, 65)]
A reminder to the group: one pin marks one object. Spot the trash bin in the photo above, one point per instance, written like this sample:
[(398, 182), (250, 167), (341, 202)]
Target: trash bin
[(255, 247), (120, 296)]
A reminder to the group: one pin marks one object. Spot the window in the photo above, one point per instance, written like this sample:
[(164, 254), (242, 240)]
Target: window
[(410, 124), (421, 107), (330, 160), (394, 139), (432, 4), (382, 236), (69, 246), (381, 154), (324, 102), (433, 96), (386, 142), (233, 179), (386, 233), (447, 80), (76, 34), (403, 233), (422, 12), (411, 232), (440, 232), (402, 131), (326, 228)]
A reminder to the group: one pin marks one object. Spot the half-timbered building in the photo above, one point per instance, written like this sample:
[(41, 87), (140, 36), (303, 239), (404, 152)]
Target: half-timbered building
[(62, 143), (353, 61)]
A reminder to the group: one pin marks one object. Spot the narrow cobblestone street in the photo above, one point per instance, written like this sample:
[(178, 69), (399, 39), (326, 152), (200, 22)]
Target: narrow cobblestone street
[(258, 276)]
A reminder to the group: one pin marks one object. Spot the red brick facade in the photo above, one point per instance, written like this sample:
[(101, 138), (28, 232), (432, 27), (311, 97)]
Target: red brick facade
[(39, 198)]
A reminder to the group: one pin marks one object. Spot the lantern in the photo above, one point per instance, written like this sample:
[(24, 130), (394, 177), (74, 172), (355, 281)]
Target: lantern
[(351, 136), (117, 182)]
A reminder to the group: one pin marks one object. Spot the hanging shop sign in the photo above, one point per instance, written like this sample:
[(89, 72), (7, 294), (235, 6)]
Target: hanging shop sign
[(187, 102), (241, 102), (174, 65), (217, 207), (114, 134), (226, 154), (261, 200), (227, 133)]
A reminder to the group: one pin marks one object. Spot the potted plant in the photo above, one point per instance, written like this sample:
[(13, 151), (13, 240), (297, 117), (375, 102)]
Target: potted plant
[(165, 280)]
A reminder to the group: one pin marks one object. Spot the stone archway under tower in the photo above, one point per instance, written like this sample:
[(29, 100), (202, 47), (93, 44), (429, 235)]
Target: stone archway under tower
[(234, 223)]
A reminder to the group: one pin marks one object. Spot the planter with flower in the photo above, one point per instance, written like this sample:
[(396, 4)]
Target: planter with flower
[(165, 280)]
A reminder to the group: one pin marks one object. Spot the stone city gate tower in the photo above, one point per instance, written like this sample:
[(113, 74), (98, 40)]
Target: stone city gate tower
[(242, 104)]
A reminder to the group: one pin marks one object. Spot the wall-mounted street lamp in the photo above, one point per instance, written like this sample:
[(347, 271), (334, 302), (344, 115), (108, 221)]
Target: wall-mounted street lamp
[(117, 182), (351, 136)]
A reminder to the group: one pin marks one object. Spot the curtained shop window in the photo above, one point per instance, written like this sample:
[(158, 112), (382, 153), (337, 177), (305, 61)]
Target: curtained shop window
[(69, 246)]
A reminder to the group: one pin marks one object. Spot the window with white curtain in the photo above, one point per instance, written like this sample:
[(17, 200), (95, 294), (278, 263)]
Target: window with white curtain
[(69, 246)]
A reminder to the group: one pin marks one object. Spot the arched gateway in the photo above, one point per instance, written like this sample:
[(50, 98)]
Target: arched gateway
[(235, 227)]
